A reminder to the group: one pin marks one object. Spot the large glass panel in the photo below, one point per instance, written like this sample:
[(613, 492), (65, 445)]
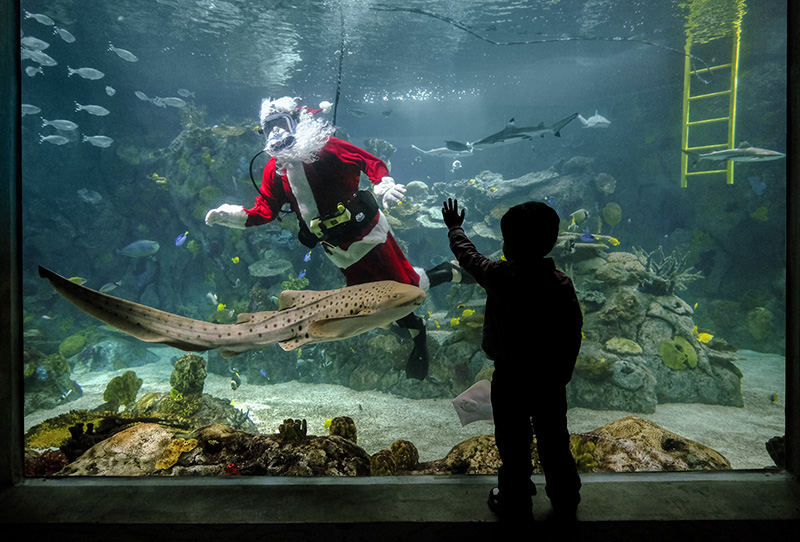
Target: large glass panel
[(654, 129)]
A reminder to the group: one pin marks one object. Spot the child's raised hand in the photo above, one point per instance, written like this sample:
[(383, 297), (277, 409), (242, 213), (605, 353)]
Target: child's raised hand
[(450, 214)]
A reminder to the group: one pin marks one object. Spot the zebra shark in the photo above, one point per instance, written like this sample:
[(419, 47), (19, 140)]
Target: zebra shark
[(303, 316)]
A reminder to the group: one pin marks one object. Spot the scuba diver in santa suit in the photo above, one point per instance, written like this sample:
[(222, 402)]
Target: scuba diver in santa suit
[(318, 176)]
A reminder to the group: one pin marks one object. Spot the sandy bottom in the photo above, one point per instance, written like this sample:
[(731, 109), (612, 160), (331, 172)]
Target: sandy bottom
[(433, 426)]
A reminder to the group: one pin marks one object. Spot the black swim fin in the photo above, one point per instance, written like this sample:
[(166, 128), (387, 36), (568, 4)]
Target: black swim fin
[(417, 366)]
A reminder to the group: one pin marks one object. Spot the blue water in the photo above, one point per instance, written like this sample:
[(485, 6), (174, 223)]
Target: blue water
[(420, 74)]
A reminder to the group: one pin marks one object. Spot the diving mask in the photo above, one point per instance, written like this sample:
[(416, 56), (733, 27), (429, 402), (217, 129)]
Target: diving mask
[(278, 129)]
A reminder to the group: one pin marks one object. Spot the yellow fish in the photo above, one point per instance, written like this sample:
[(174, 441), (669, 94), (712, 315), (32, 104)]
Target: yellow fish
[(695, 305), (492, 189), (235, 259), (467, 313), (299, 351), (327, 423), (77, 280), (436, 323), (583, 335), (503, 258), (221, 307), (774, 397), (704, 337), (614, 241), (472, 181), (454, 322)]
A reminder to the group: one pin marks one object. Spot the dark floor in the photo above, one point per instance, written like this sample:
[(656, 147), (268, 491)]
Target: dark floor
[(693, 506)]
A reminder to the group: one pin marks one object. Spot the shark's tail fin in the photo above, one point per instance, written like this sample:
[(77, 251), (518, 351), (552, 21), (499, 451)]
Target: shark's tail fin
[(556, 128)]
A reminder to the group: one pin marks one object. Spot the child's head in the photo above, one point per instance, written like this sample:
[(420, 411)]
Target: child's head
[(529, 231)]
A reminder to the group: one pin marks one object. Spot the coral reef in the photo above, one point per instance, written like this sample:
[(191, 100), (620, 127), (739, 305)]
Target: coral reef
[(293, 430), (665, 273), (345, 427), (405, 454), (122, 390), (382, 463), (188, 375)]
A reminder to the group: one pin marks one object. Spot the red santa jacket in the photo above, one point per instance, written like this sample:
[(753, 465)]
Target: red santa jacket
[(333, 178)]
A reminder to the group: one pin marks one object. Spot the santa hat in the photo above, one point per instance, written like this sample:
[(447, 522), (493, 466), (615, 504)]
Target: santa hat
[(290, 105)]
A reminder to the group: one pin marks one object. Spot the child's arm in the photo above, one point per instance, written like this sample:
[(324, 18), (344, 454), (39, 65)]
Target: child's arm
[(472, 261)]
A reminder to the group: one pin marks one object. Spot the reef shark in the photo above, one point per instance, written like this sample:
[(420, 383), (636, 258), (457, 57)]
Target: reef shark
[(743, 153), (303, 316), (512, 134), (595, 121)]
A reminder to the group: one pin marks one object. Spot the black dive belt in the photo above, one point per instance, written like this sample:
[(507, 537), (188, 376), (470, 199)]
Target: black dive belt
[(350, 219)]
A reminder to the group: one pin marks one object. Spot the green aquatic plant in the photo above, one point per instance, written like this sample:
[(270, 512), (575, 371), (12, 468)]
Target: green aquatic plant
[(194, 248), (612, 213), (296, 283), (122, 390), (72, 345), (678, 354), (664, 274)]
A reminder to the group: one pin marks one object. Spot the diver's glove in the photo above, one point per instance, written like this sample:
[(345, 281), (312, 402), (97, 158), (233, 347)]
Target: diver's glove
[(227, 214), (389, 192)]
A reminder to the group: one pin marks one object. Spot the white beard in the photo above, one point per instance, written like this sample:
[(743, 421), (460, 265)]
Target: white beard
[(310, 136)]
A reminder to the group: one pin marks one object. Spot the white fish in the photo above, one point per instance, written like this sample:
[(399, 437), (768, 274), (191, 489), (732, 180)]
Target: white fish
[(142, 96), (31, 71), (89, 196), (64, 34), (39, 57), (59, 124), (122, 53), (98, 140), (44, 19), (212, 297), (34, 44), (174, 102), (86, 73), (186, 93), (110, 90), (54, 139), (92, 109), (28, 109)]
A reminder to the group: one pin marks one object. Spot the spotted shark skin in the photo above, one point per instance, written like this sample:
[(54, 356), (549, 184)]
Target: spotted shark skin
[(303, 316)]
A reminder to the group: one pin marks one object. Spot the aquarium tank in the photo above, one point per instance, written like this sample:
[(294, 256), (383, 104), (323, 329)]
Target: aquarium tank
[(211, 292)]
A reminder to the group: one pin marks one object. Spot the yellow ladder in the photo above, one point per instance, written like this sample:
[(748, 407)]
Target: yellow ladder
[(694, 73)]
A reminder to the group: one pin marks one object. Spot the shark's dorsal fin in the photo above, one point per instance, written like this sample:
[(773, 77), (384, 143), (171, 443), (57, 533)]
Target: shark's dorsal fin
[(290, 298)]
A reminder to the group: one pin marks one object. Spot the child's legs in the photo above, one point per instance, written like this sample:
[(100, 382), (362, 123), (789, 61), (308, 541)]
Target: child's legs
[(513, 435), (552, 439)]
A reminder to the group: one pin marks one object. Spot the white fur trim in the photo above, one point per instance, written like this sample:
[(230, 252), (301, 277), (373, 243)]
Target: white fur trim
[(376, 236), (296, 175), (424, 281), (285, 104)]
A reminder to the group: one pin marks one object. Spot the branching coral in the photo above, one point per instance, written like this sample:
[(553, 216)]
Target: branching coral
[(664, 273)]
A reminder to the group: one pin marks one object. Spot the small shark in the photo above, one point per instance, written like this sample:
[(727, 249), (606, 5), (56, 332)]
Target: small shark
[(444, 151), (512, 134), (595, 121), (303, 316), (743, 153)]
